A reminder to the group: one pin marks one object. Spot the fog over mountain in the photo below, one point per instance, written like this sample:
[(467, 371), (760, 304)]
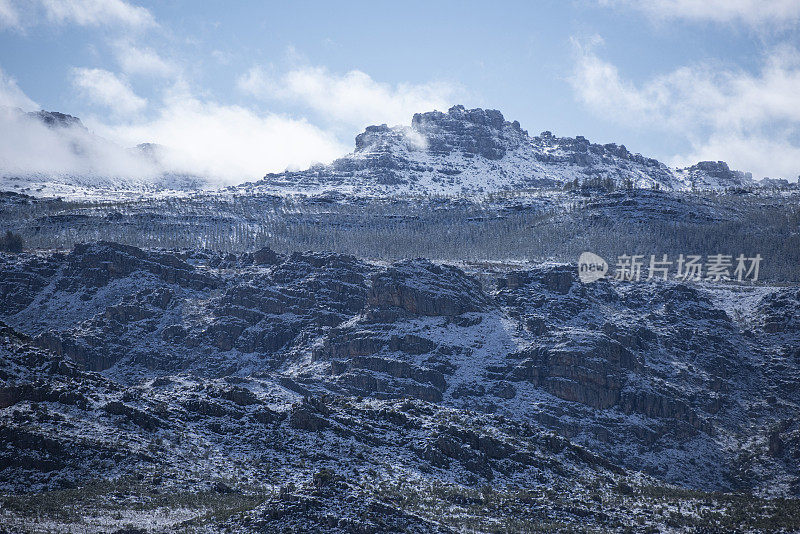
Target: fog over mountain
[(48, 145), (67, 152)]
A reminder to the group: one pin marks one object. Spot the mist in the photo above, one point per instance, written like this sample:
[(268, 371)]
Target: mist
[(28, 146), (213, 144)]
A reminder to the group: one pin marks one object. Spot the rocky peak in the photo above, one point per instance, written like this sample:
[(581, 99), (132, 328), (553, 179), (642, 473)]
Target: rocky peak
[(55, 119), (717, 173), (456, 116), (483, 132), (478, 150), (716, 168)]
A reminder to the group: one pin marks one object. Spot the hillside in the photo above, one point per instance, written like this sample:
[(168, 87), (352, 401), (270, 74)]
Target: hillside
[(218, 374)]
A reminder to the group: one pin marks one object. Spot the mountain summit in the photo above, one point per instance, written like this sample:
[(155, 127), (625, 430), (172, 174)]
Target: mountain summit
[(478, 150)]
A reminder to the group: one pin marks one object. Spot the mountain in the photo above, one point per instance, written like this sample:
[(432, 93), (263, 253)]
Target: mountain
[(715, 174), (282, 388), (368, 361), (55, 119), (461, 151), (477, 150)]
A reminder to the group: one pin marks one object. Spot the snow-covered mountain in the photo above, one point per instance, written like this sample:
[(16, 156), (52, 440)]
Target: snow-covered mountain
[(461, 151), (273, 362), (477, 150)]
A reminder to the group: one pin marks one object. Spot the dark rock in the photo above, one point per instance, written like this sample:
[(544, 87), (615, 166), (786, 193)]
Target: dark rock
[(266, 256), (423, 288)]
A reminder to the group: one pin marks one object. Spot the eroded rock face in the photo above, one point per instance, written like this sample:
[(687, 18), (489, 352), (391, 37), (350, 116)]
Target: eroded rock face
[(780, 312), (420, 287), (591, 369), (61, 425), (21, 281), (623, 369), (94, 266), (556, 278), (381, 354), (706, 173), (154, 308)]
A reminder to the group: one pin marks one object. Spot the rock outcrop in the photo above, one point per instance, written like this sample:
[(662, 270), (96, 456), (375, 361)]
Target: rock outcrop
[(478, 150), (716, 174)]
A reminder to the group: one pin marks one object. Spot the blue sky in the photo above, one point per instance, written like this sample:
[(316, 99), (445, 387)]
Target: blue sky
[(244, 88)]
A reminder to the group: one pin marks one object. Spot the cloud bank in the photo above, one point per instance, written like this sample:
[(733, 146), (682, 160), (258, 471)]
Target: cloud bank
[(226, 143), (29, 147), (744, 118)]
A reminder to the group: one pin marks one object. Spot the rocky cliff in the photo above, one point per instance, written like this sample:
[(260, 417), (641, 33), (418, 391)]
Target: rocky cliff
[(477, 150)]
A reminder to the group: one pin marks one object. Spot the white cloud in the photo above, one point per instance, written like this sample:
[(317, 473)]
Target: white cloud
[(143, 61), (742, 117), (19, 14), (106, 89), (97, 13), (9, 16), (353, 98), (748, 12), (12, 96), (228, 143)]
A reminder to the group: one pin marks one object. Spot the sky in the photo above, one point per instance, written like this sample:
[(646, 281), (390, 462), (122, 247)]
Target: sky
[(238, 89)]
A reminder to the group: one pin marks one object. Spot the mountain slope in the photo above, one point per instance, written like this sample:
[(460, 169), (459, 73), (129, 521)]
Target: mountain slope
[(318, 392), (635, 372)]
